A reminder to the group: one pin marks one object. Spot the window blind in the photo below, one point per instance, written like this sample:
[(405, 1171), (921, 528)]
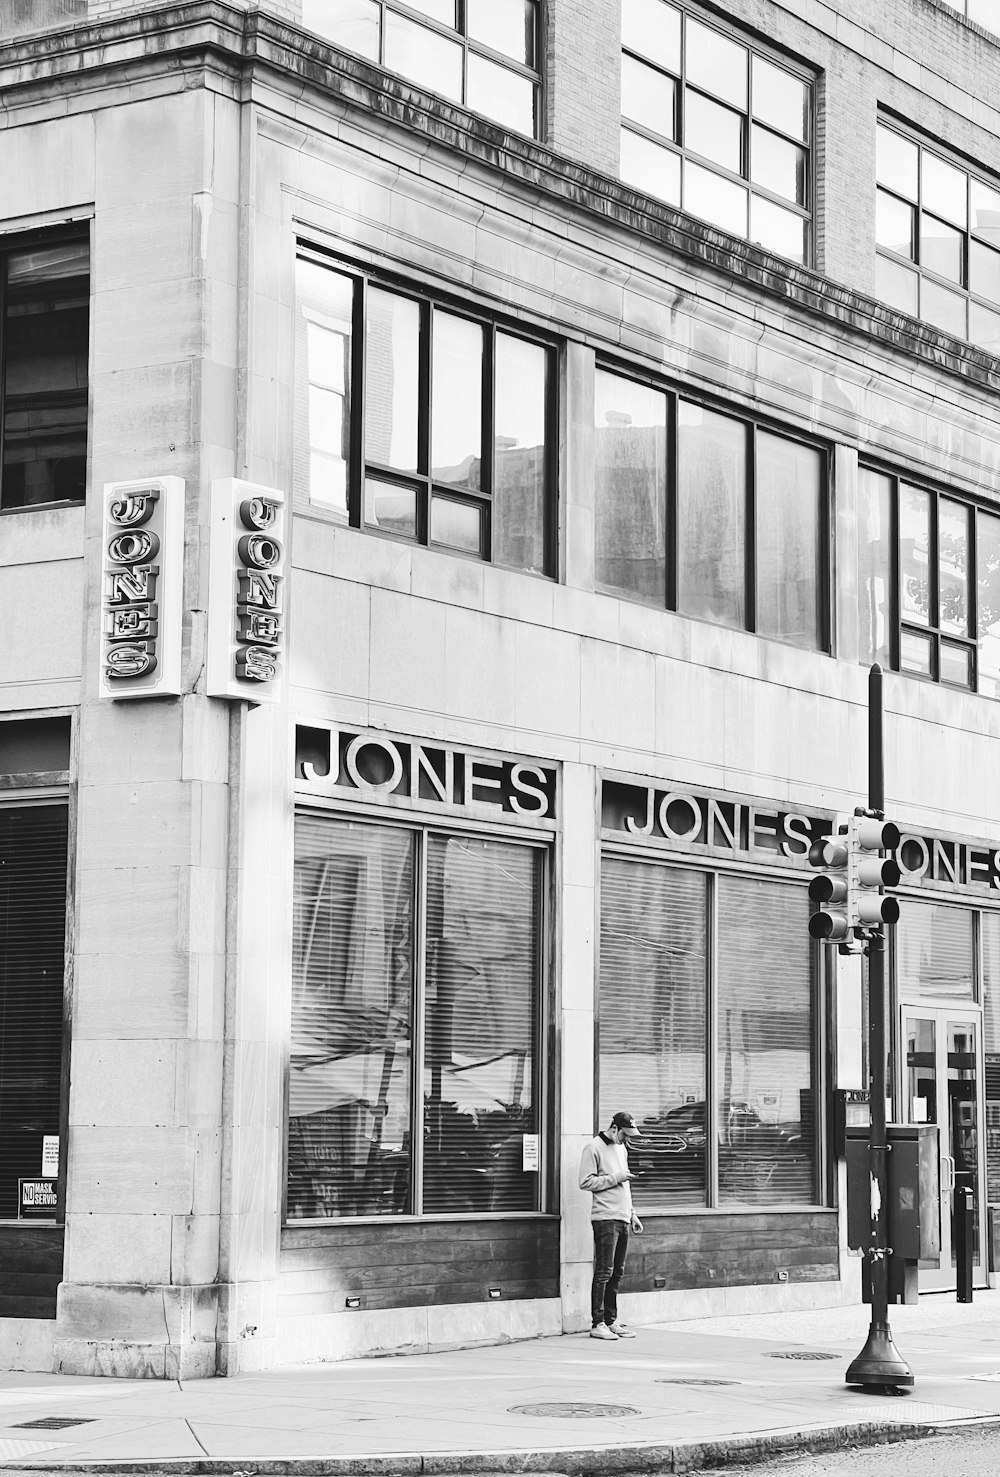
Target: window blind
[(33, 853), (349, 1146), (934, 954), (765, 1054), (652, 1013), (480, 1101)]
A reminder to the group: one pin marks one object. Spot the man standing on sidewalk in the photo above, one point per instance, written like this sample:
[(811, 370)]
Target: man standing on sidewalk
[(604, 1171)]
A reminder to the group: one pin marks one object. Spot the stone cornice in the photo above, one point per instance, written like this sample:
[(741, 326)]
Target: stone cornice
[(254, 46)]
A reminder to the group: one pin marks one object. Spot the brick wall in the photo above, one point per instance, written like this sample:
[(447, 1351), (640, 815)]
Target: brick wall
[(583, 80)]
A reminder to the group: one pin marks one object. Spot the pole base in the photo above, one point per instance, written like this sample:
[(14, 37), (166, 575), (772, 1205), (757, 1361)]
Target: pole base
[(879, 1362)]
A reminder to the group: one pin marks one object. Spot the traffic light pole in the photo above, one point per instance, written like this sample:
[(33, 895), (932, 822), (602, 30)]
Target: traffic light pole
[(879, 1364)]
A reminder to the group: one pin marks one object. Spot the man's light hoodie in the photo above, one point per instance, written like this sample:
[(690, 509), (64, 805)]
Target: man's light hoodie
[(602, 1170)]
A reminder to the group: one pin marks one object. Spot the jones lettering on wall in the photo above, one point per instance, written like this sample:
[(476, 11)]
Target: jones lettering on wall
[(246, 616), (409, 773), (710, 823), (142, 593)]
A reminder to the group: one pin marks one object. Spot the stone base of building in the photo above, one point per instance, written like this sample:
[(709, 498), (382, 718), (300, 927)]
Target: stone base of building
[(26, 1345), (126, 1332)]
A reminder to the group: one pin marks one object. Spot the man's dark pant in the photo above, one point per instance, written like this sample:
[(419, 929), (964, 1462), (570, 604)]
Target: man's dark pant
[(610, 1251)]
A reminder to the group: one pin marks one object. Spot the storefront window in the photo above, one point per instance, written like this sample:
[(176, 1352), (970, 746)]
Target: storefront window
[(765, 1088), (748, 1135), (413, 943), (33, 851)]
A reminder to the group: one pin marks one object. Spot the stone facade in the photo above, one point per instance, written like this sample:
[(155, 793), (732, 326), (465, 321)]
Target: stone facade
[(199, 149)]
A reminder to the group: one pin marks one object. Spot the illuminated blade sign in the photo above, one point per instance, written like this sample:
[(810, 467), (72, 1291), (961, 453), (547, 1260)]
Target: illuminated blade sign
[(246, 620), (142, 588)]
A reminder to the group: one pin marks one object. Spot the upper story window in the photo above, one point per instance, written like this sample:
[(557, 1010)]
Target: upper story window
[(983, 12), (713, 516), (928, 583), (717, 127), (424, 422), (937, 229), (44, 331), (480, 53)]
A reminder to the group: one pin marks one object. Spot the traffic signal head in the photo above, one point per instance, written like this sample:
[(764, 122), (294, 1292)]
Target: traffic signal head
[(831, 889), (849, 891), (874, 872)]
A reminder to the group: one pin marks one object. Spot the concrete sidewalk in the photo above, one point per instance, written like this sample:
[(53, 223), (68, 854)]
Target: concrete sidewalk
[(680, 1396)]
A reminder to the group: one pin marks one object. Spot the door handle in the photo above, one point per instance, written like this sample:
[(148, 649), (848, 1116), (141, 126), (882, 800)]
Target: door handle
[(949, 1187)]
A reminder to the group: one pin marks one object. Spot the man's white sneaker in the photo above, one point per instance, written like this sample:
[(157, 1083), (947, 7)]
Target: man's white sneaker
[(622, 1330), (602, 1331)]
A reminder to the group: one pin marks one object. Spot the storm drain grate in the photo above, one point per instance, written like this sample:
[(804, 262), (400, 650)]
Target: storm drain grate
[(803, 1354), (697, 1382), (54, 1423), (578, 1410)]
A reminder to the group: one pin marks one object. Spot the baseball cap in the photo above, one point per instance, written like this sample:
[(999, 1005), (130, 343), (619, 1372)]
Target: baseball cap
[(626, 1124)]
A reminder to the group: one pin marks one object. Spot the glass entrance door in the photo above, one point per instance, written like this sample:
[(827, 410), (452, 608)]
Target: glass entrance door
[(939, 1058)]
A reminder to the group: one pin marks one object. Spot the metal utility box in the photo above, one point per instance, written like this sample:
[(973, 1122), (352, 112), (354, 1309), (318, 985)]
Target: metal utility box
[(913, 1208)]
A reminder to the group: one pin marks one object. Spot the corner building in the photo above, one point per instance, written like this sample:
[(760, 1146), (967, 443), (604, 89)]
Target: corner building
[(459, 462)]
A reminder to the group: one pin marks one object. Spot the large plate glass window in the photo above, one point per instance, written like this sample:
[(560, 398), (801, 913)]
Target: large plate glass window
[(416, 1002), (423, 422), (937, 231), (928, 583), (44, 335), (481, 53), (717, 126), (712, 1048), (722, 520), (33, 853)]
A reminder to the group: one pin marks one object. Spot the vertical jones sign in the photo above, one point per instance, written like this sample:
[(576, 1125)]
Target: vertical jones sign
[(246, 622), (142, 587)]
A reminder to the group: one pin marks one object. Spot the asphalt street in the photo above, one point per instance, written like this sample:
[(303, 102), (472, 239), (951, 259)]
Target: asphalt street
[(974, 1452)]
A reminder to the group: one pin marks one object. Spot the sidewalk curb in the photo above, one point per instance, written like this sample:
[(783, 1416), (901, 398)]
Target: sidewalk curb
[(572, 1461)]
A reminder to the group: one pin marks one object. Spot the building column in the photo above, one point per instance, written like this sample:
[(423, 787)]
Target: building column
[(578, 972)]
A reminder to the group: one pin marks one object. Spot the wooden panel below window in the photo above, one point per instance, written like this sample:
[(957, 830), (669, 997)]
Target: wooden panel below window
[(416, 1265), (721, 1250), (31, 1268)]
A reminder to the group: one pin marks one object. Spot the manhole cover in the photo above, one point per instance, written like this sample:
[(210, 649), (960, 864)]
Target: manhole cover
[(803, 1354), (697, 1382), (54, 1423), (573, 1410)]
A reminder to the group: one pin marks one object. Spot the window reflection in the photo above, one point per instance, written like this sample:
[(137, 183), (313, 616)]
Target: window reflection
[(520, 454), (711, 515), (426, 375), (503, 87), (653, 999), (789, 490), (457, 401), (631, 442), (45, 351)]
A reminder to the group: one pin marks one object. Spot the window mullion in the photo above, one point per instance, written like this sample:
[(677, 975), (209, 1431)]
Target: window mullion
[(895, 604), (750, 536), (357, 468), (670, 493), (488, 415), (418, 1033), (712, 1021), (425, 410)]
